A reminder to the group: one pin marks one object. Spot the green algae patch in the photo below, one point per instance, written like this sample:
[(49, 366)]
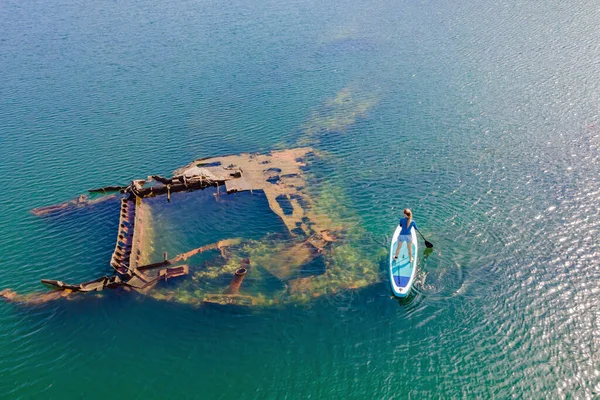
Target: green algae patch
[(337, 114), (276, 265)]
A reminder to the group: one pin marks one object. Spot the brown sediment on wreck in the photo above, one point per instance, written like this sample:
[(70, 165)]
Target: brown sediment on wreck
[(80, 201), (279, 175), (140, 220), (290, 259), (33, 298)]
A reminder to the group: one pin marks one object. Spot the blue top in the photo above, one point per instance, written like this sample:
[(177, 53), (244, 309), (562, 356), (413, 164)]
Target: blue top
[(406, 229)]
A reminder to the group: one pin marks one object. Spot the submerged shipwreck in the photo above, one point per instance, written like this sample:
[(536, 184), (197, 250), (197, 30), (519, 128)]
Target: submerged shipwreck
[(313, 232), (319, 250)]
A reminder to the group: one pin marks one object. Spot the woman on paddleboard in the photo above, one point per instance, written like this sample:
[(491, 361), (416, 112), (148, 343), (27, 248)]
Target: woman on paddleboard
[(406, 223)]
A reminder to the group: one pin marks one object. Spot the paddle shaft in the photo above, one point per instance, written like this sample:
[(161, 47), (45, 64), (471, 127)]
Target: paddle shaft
[(427, 243)]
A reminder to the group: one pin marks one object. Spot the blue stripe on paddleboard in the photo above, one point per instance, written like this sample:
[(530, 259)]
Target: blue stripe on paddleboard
[(401, 281)]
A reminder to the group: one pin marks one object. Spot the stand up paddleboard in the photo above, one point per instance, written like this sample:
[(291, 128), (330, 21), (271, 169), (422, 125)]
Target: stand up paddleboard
[(402, 272)]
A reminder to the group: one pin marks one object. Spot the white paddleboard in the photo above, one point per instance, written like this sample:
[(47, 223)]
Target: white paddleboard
[(402, 272)]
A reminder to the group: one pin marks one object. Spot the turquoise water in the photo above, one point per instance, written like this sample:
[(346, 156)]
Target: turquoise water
[(483, 118)]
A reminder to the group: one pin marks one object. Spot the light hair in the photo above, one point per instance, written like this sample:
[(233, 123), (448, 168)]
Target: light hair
[(407, 211)]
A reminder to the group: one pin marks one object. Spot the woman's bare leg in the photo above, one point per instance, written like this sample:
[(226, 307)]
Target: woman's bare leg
[(398, 249), (409, 244)]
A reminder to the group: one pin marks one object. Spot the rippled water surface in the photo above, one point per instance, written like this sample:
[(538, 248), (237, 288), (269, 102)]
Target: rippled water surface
[(483, 118)]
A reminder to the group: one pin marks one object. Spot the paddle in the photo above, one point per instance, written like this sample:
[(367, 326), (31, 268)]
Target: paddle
[(429, 245)]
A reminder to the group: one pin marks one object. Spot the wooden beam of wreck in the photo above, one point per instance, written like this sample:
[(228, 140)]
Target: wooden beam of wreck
[(33, 298), (108, 189), (162, 179), (154, 265), (143, 283), (90, 286), (184, 256), (214, 246), (175, 187)]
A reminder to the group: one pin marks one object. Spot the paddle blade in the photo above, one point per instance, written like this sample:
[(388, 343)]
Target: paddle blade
[(429, 245)]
